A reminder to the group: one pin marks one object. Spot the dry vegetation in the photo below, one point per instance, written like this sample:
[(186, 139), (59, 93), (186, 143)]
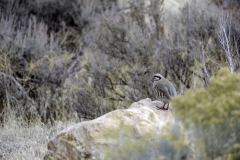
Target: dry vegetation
[(19, 140), (61, 60)]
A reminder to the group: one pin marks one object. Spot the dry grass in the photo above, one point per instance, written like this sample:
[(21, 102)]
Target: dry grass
[(19, 140)]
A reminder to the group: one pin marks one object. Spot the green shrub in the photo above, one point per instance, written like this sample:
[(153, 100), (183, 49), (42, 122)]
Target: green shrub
[(214, 114), (152, 144)]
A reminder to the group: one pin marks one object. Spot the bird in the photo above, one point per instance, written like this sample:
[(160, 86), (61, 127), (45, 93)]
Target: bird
[(163, 88)]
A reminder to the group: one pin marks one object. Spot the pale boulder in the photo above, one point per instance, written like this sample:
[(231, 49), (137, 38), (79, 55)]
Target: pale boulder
[(90, 140)]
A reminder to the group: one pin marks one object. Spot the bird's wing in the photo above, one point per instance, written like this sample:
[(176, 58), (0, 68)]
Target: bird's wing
[(166, 93), (172, 90)]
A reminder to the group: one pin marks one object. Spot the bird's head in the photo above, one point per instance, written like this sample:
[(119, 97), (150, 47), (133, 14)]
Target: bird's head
[(157, 77)]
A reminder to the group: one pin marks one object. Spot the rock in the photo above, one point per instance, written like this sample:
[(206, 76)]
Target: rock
[(89, 140)]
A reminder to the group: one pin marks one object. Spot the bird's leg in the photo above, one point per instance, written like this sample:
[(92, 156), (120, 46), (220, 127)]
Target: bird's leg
[(163, 107), (167, 106)]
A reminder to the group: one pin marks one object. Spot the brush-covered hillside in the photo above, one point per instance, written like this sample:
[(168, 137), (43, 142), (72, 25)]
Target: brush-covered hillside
[(65, 61)]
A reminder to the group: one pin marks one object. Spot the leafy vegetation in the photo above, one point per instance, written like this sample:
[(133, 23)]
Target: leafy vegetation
[(214, 115), (150, 144)]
